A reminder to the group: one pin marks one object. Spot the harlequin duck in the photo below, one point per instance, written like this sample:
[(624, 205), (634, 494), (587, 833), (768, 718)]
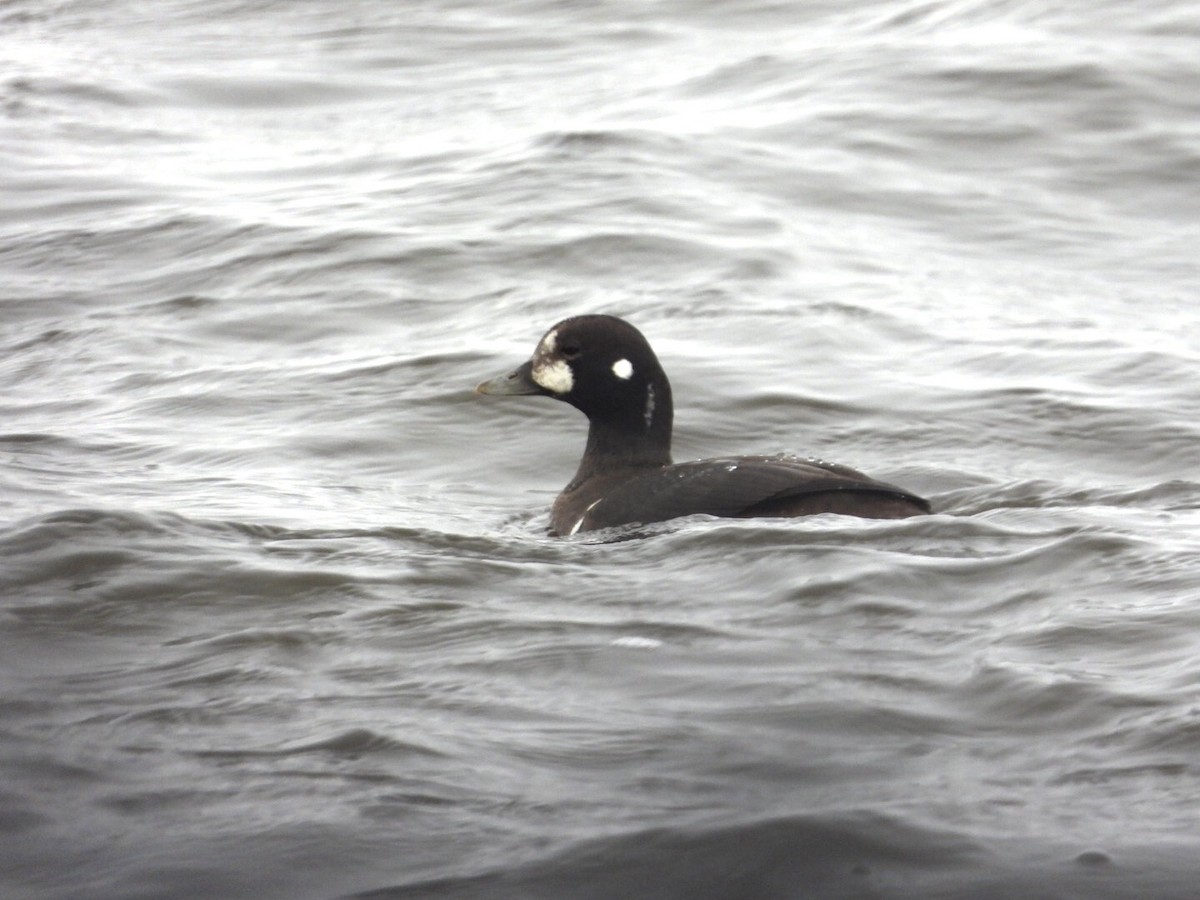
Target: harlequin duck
[(604, 367)]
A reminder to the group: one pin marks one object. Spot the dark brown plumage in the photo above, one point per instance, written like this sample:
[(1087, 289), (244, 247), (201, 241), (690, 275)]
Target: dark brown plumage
[(604, 367)]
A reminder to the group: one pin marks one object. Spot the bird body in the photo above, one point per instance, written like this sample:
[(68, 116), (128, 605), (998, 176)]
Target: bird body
[(604, 367)]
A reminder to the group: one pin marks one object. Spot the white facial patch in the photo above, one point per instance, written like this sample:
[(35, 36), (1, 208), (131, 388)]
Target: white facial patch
[(623, 369), (554, 376)]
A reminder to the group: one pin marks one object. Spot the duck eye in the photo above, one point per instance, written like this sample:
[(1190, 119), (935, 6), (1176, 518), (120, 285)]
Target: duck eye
[(571, 351)]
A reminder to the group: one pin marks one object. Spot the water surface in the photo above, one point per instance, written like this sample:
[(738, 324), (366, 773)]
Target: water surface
[(278, 613)]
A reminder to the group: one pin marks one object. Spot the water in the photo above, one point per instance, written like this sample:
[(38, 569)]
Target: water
[(278, 614)]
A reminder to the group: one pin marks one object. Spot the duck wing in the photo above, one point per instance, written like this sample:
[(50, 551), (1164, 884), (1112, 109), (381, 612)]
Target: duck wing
[(735, 487)]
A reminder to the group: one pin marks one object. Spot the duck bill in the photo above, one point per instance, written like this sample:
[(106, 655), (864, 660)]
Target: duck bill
[(517, 382)]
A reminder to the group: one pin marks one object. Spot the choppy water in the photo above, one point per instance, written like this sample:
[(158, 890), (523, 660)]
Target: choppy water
[(278, 617)]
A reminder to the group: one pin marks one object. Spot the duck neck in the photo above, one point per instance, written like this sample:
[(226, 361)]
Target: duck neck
[(637, 437)]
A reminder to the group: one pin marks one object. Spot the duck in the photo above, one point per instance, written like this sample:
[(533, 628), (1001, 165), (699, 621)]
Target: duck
[(604, 367)]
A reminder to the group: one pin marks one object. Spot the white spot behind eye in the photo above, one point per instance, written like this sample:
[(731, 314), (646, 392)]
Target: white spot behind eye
[(623, 369)]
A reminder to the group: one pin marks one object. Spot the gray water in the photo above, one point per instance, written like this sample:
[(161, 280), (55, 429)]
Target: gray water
[(278, 613)]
